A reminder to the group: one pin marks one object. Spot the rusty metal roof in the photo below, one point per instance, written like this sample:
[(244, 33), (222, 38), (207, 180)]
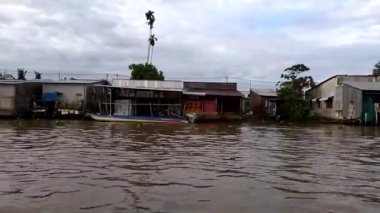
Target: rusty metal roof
[(366, 86)]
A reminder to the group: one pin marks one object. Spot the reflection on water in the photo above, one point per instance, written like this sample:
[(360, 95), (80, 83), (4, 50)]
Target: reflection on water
[(113, 167)]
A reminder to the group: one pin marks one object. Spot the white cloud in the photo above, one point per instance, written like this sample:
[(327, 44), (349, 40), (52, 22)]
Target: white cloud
[(247, 39)]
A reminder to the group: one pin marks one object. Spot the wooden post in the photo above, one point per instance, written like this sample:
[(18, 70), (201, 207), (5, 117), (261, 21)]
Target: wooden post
[(110, 102), (151, 110), (221, 107), (203, 105), (181, 106), (100, 107), (135, 104)]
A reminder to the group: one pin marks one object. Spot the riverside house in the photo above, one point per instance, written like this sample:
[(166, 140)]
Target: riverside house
[(139, 98), (18, 97), (263, 102), (346, 97), (205, 100), (65, 98), (212, 100)]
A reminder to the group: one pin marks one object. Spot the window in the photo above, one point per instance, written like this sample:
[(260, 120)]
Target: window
[(318, 104), (329, 103)]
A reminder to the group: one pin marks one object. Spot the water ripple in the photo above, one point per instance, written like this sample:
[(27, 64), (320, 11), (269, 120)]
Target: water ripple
[(111, 167)]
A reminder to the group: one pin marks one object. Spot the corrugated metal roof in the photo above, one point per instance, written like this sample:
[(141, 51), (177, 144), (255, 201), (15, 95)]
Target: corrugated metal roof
[(11, 82), (224, 93), (49, 81), (265, 92), (198, 85), (43, 81), (366, 86), (140, 88), (335, 76)]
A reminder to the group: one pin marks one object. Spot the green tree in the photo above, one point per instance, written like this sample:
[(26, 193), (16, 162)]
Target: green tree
[(145, 72), (291, 77), (292, 105), (376, 70)]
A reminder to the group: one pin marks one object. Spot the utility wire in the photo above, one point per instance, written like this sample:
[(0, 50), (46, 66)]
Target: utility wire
[(111, 75)]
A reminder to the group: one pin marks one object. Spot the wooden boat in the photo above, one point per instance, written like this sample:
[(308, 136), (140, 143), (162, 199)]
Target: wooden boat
[(191, 117), (135, 119)]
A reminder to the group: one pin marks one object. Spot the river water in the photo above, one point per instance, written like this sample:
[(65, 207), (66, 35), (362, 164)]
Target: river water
[(84, 166)]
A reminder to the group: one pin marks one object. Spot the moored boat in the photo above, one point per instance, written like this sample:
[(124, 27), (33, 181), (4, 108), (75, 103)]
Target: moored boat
[(136, 119)]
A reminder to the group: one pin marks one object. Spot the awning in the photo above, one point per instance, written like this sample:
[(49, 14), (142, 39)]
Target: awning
[(214, 93), (51, 96), (194, 93), (326, 98), (225, 93)]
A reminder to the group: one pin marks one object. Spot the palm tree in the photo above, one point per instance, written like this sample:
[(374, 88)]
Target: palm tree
[(151, 19), (152, 41), (21, 74)]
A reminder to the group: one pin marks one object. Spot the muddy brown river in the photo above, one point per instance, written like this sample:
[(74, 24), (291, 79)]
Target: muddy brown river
[(84, 166)]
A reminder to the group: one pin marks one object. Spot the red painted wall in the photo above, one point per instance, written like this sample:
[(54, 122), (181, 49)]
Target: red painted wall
[(210, 106)]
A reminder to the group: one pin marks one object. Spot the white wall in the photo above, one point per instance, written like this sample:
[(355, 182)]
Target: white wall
[(325, 90), (333, 87), (72, 94), (7, 96)]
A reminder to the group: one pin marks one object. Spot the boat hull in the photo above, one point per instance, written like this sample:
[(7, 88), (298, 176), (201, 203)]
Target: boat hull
[(135, 119)]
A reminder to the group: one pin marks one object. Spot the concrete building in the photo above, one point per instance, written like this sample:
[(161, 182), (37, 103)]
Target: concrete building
[(330, 99), (66, 96), (18, 97), (361, 101), (263, 102)]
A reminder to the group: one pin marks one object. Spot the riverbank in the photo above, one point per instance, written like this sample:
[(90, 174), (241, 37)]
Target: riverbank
[(248, 119)]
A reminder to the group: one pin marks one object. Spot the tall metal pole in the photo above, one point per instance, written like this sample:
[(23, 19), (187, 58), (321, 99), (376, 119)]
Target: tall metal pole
[(151, 54), (148, 57)]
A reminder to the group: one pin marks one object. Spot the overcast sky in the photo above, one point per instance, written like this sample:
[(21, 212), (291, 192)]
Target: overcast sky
[(250, 39)]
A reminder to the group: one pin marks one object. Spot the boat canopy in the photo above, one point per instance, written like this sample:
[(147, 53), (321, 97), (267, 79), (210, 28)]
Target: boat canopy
[(51, 96)]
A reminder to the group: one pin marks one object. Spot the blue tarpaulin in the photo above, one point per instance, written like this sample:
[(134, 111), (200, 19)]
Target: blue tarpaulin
[(50, 96)]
